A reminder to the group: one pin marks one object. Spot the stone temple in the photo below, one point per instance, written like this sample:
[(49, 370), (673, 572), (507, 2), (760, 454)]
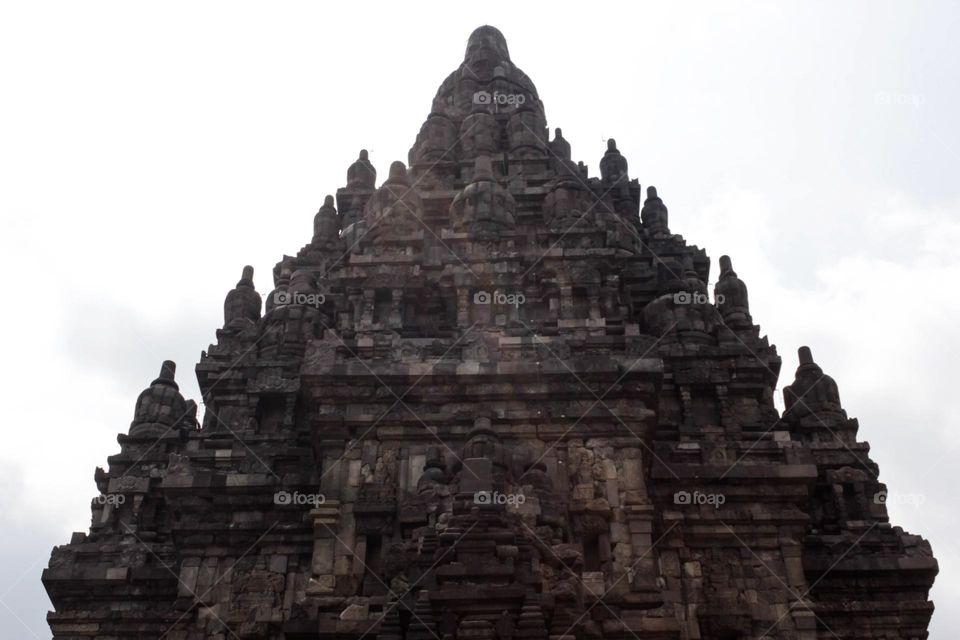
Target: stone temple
[(491, 399)]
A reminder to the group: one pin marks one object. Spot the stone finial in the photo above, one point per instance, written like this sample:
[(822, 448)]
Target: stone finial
[(486, 43), (654, 216), (730, 296), (559, 146), (726, 265), (168, 371), (242, 304), (160, 406), (361, 174), (613, 166), (395, 210), (398, 173), (812, 391), (326, 222)]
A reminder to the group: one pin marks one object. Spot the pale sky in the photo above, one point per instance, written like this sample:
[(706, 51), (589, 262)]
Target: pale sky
[(149, 151)]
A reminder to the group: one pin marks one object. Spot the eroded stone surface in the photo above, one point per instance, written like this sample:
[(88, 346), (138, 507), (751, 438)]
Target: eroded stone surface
[(491, 398)]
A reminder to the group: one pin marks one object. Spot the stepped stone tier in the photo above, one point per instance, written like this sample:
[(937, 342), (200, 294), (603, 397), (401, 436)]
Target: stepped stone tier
[(492, 399)]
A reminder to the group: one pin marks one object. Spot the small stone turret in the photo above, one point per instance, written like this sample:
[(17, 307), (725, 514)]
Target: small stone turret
[(303, 285), (361, 183), (395, 209), (692, 284), (559, 146), (160, 407), (730, 296), (296, 315), (279, 295), (567, 205), (484, 208), (684, 308), (241, 308), (362, 174), (527, 132), (613, 166), (326, 224), (479, 134), (812, 390), (653, 216), (436, 140), (434, 472)]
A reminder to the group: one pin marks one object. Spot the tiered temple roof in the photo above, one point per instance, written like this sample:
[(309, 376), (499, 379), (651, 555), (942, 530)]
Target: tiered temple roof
[(492, 398)]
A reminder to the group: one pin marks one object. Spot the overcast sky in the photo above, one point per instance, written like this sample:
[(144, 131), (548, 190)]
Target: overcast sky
[(149, 151)]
